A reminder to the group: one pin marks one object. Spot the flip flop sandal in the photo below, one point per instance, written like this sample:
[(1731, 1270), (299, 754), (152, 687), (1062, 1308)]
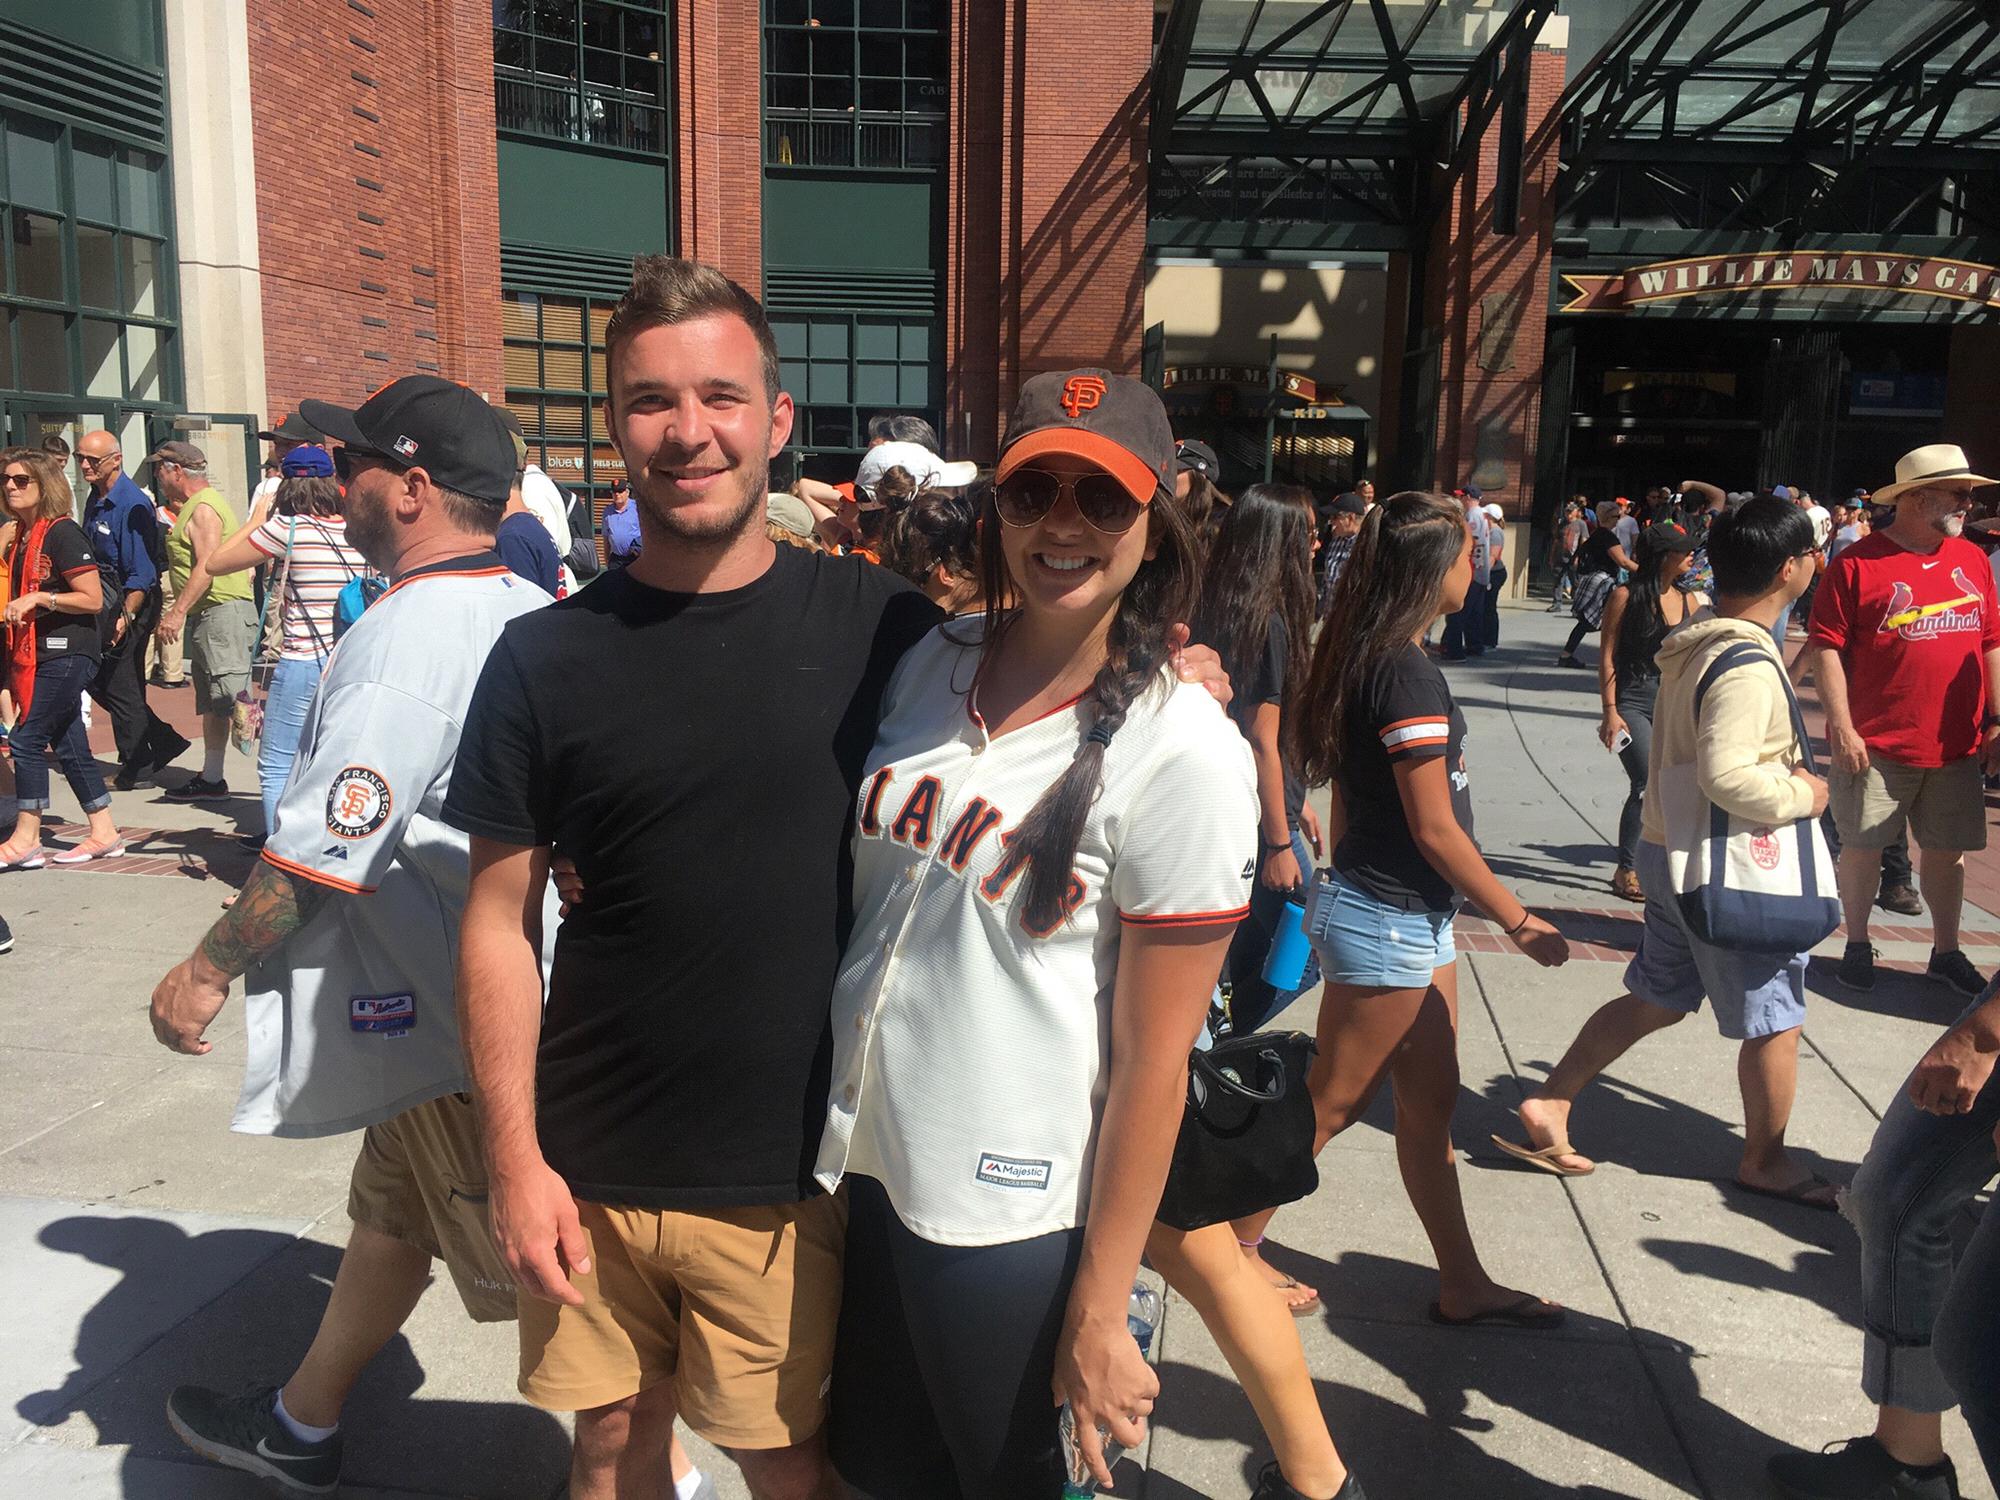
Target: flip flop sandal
[(1296, 1309), (1796, 1193), (1530, 1313), (83, 854), (1545, 1159)]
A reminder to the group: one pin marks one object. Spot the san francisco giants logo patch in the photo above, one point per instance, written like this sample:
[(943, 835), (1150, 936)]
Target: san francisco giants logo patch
[(1082, 393), (357, 803)]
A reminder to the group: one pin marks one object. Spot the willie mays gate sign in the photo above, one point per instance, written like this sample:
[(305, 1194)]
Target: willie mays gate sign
[(1798, 275)]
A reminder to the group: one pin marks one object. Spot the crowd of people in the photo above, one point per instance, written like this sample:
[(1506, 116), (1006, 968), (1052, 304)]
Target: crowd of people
[(1030, 803)]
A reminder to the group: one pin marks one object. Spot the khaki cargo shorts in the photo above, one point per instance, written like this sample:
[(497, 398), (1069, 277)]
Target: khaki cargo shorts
[(1944, 807), (420, 1179), (220, 642), (735, 1306)]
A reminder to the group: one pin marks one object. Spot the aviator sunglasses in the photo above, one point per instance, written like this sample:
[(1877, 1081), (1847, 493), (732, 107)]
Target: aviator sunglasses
[(1025, 496)]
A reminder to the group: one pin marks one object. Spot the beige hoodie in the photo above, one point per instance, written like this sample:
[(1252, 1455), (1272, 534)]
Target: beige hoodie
[(1744, 748)]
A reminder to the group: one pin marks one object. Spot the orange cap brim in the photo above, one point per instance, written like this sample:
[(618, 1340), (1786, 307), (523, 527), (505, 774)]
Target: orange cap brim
[(1119, 462)]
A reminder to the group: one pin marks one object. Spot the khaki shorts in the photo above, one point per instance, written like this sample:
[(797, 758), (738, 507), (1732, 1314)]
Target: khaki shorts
[(736, 1306), (420, 1179), (1945, 808), (220, 640)]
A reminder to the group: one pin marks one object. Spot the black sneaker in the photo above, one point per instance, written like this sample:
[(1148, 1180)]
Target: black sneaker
[(169, 746), (1858, 1469), (243, 1432), (197, 789), (6, 937), (1271, 1486), (1900, 899), (136, 770), (1857, 967), (1955, 970)]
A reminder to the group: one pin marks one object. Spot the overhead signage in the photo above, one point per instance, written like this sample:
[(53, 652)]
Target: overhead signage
[(1290, 383), (1716, 276)]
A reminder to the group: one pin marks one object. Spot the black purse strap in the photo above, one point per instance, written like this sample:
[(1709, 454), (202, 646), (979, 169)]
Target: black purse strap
[(1204, 1064)]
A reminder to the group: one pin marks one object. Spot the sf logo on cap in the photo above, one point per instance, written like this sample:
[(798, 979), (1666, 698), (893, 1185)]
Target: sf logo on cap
[(1082, 393)]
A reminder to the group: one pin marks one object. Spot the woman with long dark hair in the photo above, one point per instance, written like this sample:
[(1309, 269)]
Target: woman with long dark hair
[(1637, 617), (933, 541), (1256, 612), (1049, 854), (1377, 720)]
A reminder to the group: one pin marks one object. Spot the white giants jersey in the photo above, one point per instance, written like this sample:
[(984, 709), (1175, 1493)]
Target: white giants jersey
[(352, 1020), (970, 1054)]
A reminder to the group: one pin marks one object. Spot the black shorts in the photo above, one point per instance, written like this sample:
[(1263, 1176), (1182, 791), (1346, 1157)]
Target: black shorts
[(942, 1366)]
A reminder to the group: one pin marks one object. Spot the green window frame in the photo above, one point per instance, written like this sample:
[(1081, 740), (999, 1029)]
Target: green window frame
[(855, 83), (843, 368), (552, 349), (596, 72), (87, 294)]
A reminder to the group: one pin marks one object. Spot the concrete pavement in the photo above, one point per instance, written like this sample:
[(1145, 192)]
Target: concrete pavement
[(142, 1244)]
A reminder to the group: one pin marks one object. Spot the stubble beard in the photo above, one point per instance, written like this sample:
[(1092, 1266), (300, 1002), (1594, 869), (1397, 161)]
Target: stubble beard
[(683, 525)]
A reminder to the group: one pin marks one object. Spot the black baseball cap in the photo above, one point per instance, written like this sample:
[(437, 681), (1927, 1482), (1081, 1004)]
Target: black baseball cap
[(1665, 536), (1196, 455), (294, 429), (425, 422), (1113, 421)]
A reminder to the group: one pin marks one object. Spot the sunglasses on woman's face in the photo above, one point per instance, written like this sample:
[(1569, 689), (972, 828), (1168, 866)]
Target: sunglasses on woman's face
[(17, 481), (1027, 495)]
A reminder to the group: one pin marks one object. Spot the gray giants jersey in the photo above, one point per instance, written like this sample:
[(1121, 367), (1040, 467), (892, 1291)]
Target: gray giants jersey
[(352, 1021)]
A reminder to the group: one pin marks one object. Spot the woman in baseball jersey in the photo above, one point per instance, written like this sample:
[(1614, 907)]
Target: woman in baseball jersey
[(1053, 842), (1378, 721)]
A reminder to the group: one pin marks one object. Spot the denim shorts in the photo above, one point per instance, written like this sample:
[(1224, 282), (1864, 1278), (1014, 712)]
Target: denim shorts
[(1754, 994), (1370, 944)]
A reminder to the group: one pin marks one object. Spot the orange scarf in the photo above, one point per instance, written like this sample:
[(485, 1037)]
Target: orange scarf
[(21, 640)]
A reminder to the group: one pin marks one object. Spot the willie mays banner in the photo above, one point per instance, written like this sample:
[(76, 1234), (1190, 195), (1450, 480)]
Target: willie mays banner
[(1719, 276)]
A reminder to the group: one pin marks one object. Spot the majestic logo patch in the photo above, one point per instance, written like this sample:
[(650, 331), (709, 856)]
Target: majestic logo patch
[(1082, 393), (391, 1015), (357, 803), (406, 446), (1012, 1172)]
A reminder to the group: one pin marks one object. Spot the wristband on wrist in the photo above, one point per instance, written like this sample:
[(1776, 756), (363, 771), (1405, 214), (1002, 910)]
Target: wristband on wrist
[(1271, 848), (1525, 915)]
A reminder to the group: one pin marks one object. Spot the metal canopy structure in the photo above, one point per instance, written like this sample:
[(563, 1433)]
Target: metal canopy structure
[(1328, 111), (1803, 116)]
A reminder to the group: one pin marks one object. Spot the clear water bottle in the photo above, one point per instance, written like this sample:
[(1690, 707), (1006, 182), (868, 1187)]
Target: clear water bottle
[(1142, 1316)]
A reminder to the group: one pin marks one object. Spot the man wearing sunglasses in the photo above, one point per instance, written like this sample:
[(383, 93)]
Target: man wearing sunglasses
[(124, 532)]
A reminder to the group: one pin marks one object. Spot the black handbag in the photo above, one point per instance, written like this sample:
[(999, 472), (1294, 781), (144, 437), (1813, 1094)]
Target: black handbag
[(1246, 1140)]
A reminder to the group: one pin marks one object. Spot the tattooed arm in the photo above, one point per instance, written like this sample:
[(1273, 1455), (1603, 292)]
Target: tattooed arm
[(271, 907)]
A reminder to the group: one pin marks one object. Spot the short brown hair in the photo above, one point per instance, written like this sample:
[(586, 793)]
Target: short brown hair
[(57, 502), (667, 289)]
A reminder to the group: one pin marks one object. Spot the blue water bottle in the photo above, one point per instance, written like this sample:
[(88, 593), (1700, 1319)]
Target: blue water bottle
[(1285, 964)]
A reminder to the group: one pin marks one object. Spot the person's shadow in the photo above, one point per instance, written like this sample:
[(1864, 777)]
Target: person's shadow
[(234, 1308)]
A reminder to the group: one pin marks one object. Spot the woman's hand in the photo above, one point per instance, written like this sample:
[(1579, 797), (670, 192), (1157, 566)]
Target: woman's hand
[(1107, 1383), (19, 609), (1614, 725), (1541, 942), (1279, 870), (1309, 826)]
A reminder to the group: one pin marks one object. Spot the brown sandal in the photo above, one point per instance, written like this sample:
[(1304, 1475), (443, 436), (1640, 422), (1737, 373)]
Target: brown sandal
[(1625, 885)]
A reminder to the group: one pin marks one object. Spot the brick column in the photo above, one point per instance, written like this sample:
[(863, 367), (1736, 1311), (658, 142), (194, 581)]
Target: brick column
[(719, 149), (1047, 215), (1488, 294), (377, 195)]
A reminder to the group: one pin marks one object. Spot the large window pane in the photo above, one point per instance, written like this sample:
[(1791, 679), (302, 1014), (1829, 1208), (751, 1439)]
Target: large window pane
[(562, 369), (562, 321), (6, 349), (139, 184), (141, 267), (103, 374), (33, 180), (38, 267), (97, 266), (145, 378), (93, 164), (44, 351), (522, 365)]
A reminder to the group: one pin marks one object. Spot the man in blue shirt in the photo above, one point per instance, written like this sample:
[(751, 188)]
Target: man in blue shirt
[(621, 526), (124, 532)]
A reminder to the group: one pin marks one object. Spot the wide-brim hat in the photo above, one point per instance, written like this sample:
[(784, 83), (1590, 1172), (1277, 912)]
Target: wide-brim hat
[(1936, 463)]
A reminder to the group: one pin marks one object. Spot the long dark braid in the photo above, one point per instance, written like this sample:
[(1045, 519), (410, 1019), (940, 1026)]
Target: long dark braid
[(1161, 595)]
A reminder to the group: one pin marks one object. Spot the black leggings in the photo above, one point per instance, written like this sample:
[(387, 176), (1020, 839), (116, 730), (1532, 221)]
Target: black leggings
[(942, 1365), (1583, 628)]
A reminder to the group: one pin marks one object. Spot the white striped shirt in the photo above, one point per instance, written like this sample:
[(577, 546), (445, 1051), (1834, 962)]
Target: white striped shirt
[(322, 564)]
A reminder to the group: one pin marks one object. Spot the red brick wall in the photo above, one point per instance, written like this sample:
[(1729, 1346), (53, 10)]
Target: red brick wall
[(1471, 265), (377, 199), (720, 155), (1047, 217)]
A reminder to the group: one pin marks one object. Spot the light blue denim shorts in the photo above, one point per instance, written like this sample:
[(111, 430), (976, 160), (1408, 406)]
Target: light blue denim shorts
[(1370, 944)]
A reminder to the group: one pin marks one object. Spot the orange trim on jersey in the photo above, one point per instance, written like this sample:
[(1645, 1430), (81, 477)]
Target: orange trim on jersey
[(317, 877), (499, 572), (1185, 919), (1419, 719), (974, 714), (79, 572)]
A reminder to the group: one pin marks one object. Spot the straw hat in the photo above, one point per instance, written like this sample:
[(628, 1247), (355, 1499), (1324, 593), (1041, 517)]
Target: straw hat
[(1938, 463)]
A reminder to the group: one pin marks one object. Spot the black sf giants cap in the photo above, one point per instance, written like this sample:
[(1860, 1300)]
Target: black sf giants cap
[(424, 422), (1112, 421)]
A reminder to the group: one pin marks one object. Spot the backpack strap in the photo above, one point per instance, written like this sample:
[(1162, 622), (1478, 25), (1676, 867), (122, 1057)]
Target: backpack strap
[(1740, 654)]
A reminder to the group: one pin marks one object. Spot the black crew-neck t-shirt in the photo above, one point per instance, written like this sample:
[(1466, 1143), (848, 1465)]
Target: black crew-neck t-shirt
[(1594, 556), (1404, 711), (67, 554), (698, 756), (1263, 681)]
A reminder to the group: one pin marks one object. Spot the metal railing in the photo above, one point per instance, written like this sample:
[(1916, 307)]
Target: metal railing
[(565, 111), (804, 138)]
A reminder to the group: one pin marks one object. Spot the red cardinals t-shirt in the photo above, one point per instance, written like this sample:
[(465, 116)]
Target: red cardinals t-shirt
[(1912, 630)]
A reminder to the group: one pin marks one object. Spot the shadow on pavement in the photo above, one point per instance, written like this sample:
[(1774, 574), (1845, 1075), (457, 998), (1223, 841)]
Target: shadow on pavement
[(1574, 866), (1898, 992), (253, 1334)]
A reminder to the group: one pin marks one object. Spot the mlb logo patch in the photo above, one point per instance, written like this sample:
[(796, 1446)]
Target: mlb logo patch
[(406, 447), (388, 1015)]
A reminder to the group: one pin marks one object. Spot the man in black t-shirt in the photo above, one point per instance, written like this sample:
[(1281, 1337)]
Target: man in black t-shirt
[(651, 1136)]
